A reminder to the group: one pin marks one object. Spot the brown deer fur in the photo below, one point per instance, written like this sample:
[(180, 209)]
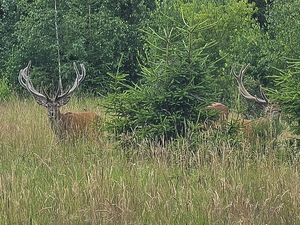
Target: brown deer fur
[(73, 123)]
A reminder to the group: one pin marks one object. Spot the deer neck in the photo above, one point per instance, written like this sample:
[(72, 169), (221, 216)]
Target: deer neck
[(56, 123)]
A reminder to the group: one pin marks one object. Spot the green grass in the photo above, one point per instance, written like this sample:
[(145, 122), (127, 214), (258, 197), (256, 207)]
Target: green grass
[(203, 179)]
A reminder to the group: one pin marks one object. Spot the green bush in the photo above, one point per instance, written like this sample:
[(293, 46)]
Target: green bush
[(288, 95), (177, 80), (5, 89)]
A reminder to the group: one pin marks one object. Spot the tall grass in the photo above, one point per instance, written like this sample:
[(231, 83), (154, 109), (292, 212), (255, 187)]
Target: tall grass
[(206, 178)]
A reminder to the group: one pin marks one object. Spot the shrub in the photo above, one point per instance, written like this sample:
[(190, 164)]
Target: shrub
[(177, 80), (5, 89), (288, 95)]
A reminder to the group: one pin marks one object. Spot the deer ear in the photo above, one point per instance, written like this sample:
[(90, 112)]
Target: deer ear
[(40, 100), (64, 100)]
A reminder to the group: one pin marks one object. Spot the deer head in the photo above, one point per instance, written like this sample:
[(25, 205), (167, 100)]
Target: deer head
[(43, 98), (262, 103)]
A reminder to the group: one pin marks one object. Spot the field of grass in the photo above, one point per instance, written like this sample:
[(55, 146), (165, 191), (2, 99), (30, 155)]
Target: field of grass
[(203, 179)]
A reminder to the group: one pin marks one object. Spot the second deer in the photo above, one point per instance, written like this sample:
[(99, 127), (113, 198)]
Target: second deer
[(262, 103)]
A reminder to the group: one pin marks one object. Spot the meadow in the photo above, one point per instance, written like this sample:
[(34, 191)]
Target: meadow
[(206, 178)]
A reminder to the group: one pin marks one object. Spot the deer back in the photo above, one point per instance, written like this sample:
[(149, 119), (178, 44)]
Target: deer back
[(221, 109), (78, 122)]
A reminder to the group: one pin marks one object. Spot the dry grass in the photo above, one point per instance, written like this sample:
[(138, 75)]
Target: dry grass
[(204, 179)]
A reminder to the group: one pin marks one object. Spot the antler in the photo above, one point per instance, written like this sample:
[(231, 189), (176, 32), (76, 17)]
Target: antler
[(24, 74), (65, 97), (41, 99), (262, 103)]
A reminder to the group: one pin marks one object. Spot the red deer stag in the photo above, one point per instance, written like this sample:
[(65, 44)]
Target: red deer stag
[(62, 124), (262, 103)]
